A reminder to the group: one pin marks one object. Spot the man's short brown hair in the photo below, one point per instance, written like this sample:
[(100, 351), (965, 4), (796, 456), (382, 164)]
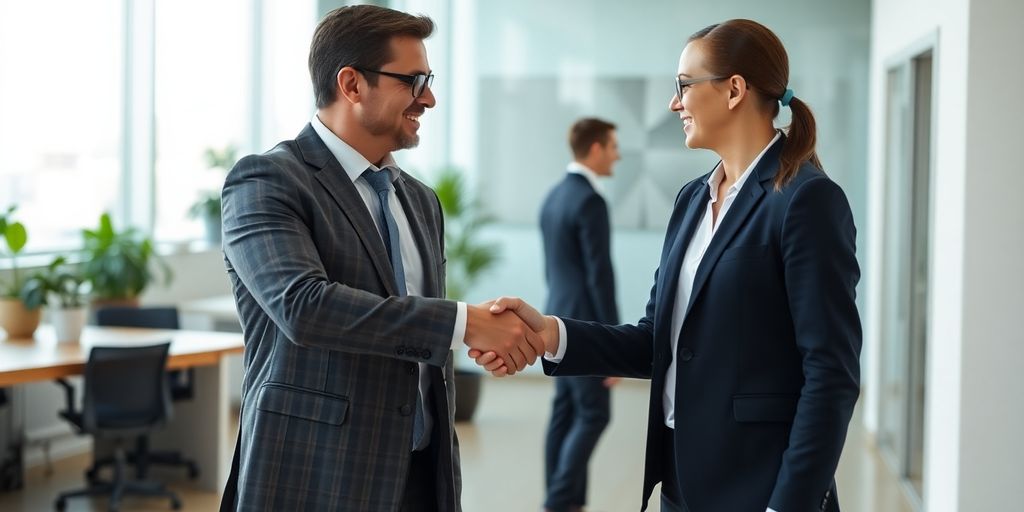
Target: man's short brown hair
[(585, 132), (357, 36)]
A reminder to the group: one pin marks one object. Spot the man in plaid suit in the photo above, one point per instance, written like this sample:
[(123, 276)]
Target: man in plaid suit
[(336, 258)]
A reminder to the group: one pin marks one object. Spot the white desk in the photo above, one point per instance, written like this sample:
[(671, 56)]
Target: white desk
[(213, 313)]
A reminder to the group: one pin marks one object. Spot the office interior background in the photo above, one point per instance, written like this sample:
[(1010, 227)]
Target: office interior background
[(109, 106)]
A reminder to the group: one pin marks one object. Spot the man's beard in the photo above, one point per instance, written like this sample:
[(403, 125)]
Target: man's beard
[(378, 126)]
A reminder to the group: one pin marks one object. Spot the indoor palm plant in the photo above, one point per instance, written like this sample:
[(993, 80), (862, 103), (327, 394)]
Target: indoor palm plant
[(207, 207), (119, 265), (19, 317), (60, 285), (467, 259)]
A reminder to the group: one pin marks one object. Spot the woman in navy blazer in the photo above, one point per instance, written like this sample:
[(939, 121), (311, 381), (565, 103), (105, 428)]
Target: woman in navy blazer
[(751, 335)]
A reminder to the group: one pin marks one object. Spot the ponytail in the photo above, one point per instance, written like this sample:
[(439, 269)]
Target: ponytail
[(751, 50), (801, 136)]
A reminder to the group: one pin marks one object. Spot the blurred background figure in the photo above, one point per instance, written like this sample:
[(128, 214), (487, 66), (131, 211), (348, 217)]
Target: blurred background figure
[(581, 284)]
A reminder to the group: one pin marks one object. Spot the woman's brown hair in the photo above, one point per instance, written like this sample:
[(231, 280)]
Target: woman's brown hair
[(751, 50)]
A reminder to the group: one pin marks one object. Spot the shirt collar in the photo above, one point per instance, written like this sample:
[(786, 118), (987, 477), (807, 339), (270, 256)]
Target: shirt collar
[(351, 160), (591, 176), (719, 174)]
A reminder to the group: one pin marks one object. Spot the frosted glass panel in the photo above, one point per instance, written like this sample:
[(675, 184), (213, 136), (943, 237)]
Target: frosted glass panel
[(537, 66)]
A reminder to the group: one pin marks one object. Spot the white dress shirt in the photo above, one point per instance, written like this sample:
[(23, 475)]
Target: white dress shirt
[(691, 261), (588, 173), (354, 165)]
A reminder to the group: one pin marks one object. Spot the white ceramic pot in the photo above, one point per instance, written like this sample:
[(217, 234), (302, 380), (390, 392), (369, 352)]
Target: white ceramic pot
[(68, 323)]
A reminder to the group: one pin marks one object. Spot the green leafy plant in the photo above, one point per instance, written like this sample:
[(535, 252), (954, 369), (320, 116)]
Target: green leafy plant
[(468, 258), (15, 236), (58, 281), (208, 204), (119, 264)]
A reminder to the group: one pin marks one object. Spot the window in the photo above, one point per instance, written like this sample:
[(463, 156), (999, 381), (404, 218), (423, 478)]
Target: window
[(202, 101), (61, 116)]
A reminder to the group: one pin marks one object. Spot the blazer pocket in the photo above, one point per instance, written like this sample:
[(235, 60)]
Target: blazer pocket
[(303, 403), (745, 252), (764, 408)]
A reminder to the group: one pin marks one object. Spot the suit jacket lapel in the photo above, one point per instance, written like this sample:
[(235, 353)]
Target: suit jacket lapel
[(344, 192), (747, 198), (693, 210), (414, 210)]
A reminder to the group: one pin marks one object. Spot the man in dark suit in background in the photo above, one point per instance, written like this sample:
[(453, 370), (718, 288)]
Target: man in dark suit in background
[(581, 284), (336, 259)]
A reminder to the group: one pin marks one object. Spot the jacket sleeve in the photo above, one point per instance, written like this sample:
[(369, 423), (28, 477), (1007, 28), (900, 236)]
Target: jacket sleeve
[(269, 244), (595, 242), (609, 350), (818, 241)]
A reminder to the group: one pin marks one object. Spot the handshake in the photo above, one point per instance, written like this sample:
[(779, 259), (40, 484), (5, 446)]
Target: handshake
[(507, 334)]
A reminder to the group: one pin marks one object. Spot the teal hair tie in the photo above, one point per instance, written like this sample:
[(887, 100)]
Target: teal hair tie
[(786, 97)]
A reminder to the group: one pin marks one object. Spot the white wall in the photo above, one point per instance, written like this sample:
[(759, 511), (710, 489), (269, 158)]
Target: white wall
[(992, 389), (974, 413)]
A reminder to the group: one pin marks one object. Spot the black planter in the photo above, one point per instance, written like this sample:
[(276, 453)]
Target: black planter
[(467, 393)]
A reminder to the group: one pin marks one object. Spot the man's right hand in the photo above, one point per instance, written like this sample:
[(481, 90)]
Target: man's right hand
[(503, 334), (545, 326)]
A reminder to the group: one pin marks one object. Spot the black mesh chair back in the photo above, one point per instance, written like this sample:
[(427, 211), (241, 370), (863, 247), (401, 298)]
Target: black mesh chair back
[(154, 317), (125, 388), (151, 317), (182, 385), (126, 396)]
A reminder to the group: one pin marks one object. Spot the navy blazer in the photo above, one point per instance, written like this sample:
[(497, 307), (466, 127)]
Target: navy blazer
[(577, 252), (768, 371)]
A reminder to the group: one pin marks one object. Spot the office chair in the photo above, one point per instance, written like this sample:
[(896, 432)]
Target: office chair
[(126, 396), (181, 384)]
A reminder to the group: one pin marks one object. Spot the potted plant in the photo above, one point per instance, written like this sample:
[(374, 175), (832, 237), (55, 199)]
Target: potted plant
[(468, 258), (207, 207), (67, 307), (119, 265), (17, 316)]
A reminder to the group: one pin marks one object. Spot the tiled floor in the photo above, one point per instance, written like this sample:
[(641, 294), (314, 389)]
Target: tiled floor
[(502, 461)]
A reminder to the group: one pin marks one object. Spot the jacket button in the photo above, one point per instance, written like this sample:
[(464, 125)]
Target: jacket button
[(400, 350), (425, 354), (405, 410), (686, 354)]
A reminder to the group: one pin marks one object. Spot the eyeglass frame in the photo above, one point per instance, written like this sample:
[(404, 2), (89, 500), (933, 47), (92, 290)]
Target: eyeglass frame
[(410, 80), (680, 83)]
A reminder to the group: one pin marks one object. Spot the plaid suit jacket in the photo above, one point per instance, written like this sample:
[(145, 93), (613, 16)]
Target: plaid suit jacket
[(331, 350)]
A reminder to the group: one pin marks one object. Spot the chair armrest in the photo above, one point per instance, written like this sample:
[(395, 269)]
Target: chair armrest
[(69, 394)]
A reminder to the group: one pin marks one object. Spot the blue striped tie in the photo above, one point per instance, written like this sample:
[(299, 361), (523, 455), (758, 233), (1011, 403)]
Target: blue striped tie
[(380, 181)]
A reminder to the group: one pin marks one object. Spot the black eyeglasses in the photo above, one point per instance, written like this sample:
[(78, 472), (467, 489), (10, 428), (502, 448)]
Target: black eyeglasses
[(682, 85), (419, 82)]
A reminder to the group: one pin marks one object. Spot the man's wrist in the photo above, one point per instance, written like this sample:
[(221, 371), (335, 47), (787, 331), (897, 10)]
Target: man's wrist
[(459, 330)]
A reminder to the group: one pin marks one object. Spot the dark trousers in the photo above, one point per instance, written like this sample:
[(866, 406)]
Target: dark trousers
[(580, 412), (421, 486)]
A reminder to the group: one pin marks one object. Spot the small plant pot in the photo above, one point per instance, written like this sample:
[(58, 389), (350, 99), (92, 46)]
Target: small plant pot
[(467, 393), (19, 322), (68, 323)]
